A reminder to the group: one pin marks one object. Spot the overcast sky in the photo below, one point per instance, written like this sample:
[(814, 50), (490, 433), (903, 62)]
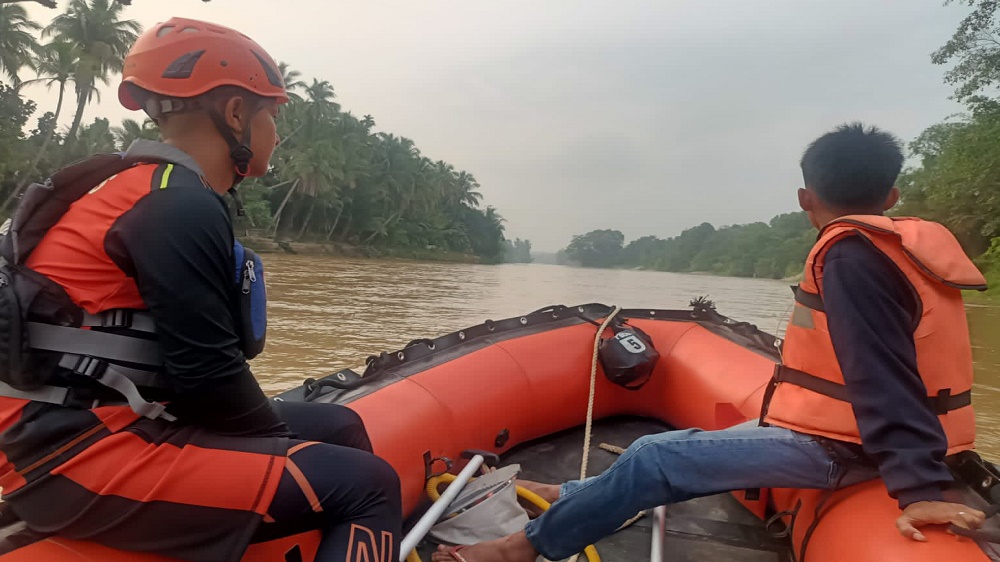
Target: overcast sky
[(645, 116)]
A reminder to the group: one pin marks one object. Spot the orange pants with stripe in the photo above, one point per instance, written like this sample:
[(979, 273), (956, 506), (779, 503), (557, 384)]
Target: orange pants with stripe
[(333, 482), (186, 493)]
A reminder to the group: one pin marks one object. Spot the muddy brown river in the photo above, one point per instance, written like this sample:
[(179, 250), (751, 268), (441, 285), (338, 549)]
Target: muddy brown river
[(330, 313)]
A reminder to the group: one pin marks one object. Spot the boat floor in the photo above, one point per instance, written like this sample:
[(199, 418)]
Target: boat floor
[(705, 529)]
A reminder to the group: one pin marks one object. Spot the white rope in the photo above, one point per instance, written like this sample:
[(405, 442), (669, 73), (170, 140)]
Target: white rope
[(590, 402), (615, 449), (593, 388), (785, 317), (612, 448)]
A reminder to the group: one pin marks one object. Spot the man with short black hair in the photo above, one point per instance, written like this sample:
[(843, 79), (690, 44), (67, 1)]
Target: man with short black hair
[(854, 381)]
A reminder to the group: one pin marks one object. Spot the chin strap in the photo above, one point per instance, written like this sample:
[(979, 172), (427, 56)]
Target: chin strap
[(239, 152), (240, 211), (239, 149)]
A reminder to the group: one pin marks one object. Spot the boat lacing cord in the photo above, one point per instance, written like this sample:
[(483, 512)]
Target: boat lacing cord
[(526, 494), (793, 513), (618, 451), (817, 514)]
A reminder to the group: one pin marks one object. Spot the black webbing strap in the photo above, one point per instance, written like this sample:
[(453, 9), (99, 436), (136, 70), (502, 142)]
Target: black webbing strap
[(807, 299), (940, 404)]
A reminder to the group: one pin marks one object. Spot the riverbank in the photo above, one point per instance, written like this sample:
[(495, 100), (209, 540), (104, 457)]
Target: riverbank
[(990, 296), (263, 245)]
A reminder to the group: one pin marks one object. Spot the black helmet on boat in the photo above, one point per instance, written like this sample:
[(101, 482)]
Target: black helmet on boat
[(628, 357)]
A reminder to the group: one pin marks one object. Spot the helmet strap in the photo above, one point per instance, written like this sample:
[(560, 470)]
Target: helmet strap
[(240, 211), (239, 149)]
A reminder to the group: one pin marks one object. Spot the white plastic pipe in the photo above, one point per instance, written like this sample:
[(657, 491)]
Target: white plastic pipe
[(437, 509), (659, 533)]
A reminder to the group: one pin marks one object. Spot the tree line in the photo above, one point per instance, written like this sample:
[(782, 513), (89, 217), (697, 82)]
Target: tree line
[(334, 179), (772, 250)]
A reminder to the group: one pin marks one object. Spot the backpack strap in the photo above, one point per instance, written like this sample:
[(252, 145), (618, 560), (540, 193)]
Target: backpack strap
[(136, 320), (92, 343), (118, 378)]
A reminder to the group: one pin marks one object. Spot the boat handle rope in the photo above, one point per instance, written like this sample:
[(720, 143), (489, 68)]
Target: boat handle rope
[(779, 517)]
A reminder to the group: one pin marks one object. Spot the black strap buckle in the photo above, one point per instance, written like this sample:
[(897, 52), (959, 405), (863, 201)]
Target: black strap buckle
[(809, 300), (944, 401), (91, 367), (116, 318)]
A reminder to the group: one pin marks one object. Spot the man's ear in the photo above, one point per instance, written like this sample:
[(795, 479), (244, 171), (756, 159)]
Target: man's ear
[(234, 112), (807, 200), (892, 198)]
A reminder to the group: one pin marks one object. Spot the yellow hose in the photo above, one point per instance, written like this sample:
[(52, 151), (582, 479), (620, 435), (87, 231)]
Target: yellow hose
[(533, 498)]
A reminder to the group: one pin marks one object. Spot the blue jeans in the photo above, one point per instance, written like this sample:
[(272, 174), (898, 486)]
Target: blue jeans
[(680, 465)]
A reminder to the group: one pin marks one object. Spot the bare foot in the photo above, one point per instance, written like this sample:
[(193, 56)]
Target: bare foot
[(548, 492), (512, 548)]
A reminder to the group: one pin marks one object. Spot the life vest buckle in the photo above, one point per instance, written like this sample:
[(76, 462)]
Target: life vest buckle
[(116, 318), (90, 367)]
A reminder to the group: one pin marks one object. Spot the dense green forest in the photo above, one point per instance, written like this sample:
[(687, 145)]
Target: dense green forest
[(334, 178), (955, 180), (518, 251), (774, 250)]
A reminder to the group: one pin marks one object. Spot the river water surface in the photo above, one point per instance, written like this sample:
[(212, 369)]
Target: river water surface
[(328, 313)]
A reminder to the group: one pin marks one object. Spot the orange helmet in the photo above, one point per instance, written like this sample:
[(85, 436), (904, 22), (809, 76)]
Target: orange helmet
[(184, 58)]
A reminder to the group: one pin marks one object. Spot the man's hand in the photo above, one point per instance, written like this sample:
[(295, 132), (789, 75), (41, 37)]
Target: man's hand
[(929, 513)]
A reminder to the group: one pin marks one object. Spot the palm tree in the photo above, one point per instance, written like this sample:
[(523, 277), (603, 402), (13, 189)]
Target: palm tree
[(368, 122), (494, 219), (131, 130), (103, 40), (399, 166), (320, 95), (16, 40), (291, 80), (55, 64), (467, 194), (96, 138)]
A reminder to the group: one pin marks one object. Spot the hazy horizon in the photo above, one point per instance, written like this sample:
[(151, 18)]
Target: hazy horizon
[(648, 118)]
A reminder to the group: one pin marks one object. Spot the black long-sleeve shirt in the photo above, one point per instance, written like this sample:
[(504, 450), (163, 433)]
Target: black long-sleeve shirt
[(871, 313), (177, 243)]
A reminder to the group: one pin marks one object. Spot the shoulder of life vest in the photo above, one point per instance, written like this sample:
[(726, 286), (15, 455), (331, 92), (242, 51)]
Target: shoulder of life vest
[(40, 326), (928, 245)]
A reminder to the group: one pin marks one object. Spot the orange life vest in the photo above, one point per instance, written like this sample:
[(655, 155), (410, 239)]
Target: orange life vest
[(808, 393)]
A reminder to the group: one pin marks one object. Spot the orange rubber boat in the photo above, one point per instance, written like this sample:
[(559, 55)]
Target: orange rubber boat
[(519, 388)]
